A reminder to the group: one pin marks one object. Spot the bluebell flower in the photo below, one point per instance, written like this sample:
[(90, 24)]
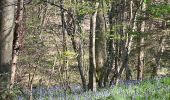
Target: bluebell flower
[(20, 98)]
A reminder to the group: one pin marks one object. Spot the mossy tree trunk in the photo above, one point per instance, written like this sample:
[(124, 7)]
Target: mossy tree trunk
[(100, 44)]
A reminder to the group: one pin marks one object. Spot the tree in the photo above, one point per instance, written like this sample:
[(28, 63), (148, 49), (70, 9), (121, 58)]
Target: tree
[(110, 47), (92, 60), (123, 39), (18, 39), (73, 27), (140, 65), (100, 44), (64, 40), (7, 10)]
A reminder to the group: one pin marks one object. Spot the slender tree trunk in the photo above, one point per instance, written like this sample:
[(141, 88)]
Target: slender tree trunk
[(140, 65), (65, 61), (126, 47), (157, 67), (6, 40), (42, 16), (80, 61), (117, 16), (73, 26), (125, 39), (92, 60), (18, 39), (63, 32), (110, 47), (79, 50)]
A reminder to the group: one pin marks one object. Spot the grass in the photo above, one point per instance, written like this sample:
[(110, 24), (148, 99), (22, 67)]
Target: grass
[(157, 89), (153, 89)]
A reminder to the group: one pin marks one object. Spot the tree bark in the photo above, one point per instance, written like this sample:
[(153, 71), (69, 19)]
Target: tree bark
[(72, 27), (123, 47), (125, 39), (64, 67), (157, 67), (18, 39), (140, 65), (110, 47), (100, 45), (92, 60), (7, 8)]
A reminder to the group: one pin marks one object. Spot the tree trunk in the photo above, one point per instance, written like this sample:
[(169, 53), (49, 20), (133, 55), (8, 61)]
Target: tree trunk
[(64, 68), (110, 47), (140, 65), (125, 44), (117, 12), (72, 27), (125, 39), (18, 39), (157, 67), (92, 60), (80, 61), (6, 40), (100, 45)]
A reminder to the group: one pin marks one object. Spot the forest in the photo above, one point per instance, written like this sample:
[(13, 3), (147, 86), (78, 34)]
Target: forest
[(84, 49)]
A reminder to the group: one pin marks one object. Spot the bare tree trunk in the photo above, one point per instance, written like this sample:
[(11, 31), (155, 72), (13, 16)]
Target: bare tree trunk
[(125, 39), (158, 57), (100, 45), (110, 47), (7, 8), (18, 39), (126, 47), (72, 27), (65, 61), (79, 50), (92, 60), (42, 16), (140, 65), (80, 61), (117, 12), (157, 67)]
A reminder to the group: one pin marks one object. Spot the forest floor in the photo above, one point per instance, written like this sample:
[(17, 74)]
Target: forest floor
[(152, 89)]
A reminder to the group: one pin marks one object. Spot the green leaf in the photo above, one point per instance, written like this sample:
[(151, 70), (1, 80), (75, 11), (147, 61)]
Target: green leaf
[(145, 1)]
